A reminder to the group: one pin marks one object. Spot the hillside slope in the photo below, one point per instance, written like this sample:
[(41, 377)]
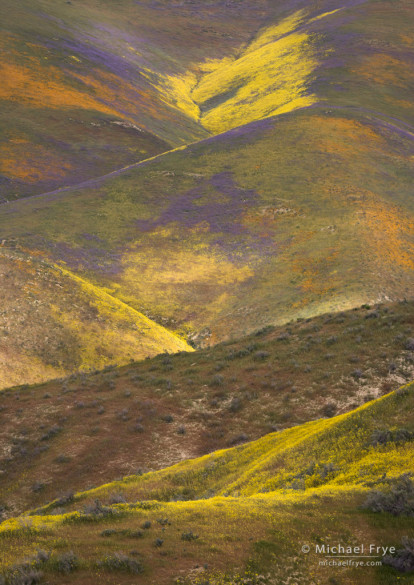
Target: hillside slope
[(294, 215), (59, 436), (53, 323), (90, 87), (253, 509), (223, 237)]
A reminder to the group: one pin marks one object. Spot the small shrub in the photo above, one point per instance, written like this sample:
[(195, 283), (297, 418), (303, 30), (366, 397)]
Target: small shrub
[(22, 575), (122, 562), (135, 533), (397, 500), (189, 536), (373, 315), (384, 436), (409, 344), (66, 562), (164, 522), (260, 356), (217, 380), (65, 499), (108, 532), (98, 509), (403, 560), (158, 543), (62, 459), (357, 374), (329, 409), (167, 418), (42, 556), (238, 439), (124, 414), (51, 433), (235, 405), (265, 330), (283, 337), (117, 499), (147, 525)]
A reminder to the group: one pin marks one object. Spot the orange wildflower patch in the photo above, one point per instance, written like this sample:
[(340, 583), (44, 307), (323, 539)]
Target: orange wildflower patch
[(386, 70), (348, 133), (128, 98), (44, 88), (390, 234), (31, 163)]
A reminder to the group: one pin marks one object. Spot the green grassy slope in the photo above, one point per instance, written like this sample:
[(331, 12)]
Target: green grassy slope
[(171, 408), (90, 87), (279, 460), (53, 323), (254, 507), (294, 216)]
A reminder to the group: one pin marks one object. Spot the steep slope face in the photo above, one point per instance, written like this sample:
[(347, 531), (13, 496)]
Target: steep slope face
[(348, 55), (89, 87), (345, 445), (254, 508), (292, 216), (53, 323), (175, 407)]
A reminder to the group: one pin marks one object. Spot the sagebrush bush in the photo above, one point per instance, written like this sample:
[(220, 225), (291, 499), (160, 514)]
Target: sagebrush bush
[(217, 380), (22, 575), (384, 436), (98, 509), (108, 532), (409, 344), (398, 499), (329, 409), (65, 499), (66, 562), (235, 405), (51, 433), (168, 418), (117, 499), (403, 560), (189, 536), (119, 561)]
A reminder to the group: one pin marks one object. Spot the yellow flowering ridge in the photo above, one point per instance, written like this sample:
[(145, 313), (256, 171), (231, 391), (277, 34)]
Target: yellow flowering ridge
[(154, 337), (271, 77)]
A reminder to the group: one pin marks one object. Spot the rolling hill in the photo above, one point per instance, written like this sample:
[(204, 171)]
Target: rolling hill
[(236, 516), (53, 323), (88, 429), (222, 237), (206, 291), (90, 87), (299, 203)]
